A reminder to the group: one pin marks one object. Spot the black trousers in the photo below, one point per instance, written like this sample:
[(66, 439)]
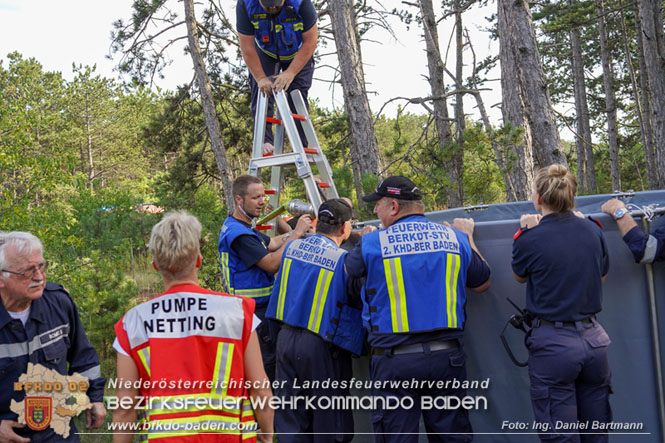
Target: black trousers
[(304, 357)]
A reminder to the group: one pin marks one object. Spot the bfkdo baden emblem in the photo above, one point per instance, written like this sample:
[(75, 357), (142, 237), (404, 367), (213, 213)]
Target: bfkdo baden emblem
[(38, 412)]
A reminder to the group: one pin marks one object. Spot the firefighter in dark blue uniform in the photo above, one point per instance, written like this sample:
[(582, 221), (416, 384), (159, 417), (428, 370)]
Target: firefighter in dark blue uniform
[(39, 324), (274, 36), (249, 259), (563, 258), (321, 328), (413, 307), (646, 248)]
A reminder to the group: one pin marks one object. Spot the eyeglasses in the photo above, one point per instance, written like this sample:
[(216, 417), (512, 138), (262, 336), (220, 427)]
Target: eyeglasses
[(30, 272)]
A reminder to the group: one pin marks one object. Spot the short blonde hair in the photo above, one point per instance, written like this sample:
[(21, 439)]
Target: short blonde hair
[(557, 187), (175, 244)]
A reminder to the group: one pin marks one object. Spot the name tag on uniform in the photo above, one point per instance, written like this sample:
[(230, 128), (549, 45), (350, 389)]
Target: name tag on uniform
[(417, 238), (316, 252)]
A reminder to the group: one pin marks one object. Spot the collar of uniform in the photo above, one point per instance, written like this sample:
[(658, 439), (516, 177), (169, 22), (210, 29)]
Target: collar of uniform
[(404, 217), (249, 225), (36, 312), (326, 239), (181, 287), (556, 216), (37, 309), (4, 317)]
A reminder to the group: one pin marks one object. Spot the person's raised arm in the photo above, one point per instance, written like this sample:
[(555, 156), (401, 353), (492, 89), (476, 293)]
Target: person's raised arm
[(625, 223), (248, 50), (467, 225), (271, 261)]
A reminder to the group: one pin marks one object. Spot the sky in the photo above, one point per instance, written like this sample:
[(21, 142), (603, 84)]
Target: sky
[(60, 33)]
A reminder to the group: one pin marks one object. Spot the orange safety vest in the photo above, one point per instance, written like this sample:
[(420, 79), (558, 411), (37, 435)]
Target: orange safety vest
[(189, 345)]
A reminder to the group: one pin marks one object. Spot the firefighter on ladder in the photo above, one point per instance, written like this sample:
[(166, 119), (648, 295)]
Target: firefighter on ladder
[(274, 36)]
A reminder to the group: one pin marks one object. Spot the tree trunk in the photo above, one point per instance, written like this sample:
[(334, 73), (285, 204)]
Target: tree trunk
[(653, 47), (456, 196), (91, 163), (579, 90), (435, 68), (531, 79), (610, 99), (638, 95), (519, 158), (364, 147), (586, 172), (209, 112)]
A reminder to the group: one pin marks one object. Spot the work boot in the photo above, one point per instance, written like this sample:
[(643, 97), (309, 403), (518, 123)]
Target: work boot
[(267, 148)]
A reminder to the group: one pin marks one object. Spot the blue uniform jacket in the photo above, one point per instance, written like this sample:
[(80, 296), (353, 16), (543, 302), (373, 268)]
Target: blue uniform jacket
[(310, 293), (416, 274), (277, 35), (53, 337), (239, 279)]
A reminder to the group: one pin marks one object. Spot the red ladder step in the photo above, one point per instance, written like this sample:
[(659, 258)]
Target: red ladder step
[(274, 120), (263, 227), (323, 185), (302, 118), (270, 191), (311, 151)]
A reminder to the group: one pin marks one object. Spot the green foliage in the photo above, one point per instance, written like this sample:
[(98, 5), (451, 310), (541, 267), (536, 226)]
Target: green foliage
[(205, 204), (482, 179)]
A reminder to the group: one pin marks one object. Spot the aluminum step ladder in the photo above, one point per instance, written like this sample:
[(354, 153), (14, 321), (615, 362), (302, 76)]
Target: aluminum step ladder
[(301, 158)]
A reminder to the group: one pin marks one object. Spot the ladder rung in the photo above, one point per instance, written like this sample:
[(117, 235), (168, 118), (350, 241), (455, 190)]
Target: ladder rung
[(268, 154), (323, 185), (311, 151), (270, 191), (263, 227), (302, 118), (274, 120)]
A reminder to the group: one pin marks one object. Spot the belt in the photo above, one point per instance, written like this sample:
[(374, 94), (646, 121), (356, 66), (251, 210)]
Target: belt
[(542, 321), (417, 347)]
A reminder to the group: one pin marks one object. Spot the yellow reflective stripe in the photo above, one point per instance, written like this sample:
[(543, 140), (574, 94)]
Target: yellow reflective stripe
[(175, 403), (256, 25), (273, 55), (226, 274), (182, 426), (254, 292), (223, 361), (247, 411), (278, 27), (452, 272), (298, 26), (282, 288), (319, 302), (144, 355), (396, 293)]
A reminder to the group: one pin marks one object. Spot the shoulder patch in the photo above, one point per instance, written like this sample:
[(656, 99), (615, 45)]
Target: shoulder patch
[(518, 233), (595, 221)]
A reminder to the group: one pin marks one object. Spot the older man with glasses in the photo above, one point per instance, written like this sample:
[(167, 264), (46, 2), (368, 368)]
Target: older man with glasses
[(39, 324)]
